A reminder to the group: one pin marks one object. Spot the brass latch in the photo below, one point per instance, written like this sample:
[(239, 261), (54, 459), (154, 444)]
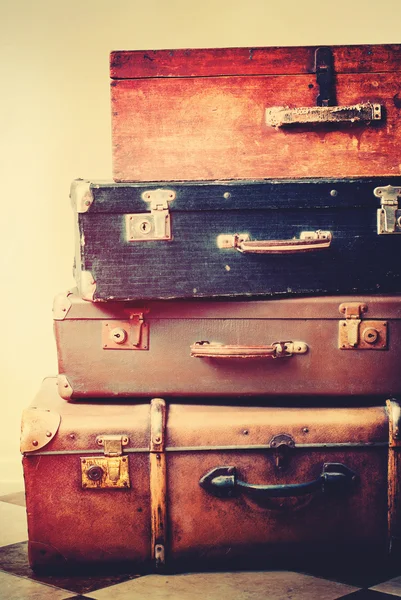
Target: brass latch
[(156, 225), (355, 333), (108, 471), (388, 215), (132, 334)]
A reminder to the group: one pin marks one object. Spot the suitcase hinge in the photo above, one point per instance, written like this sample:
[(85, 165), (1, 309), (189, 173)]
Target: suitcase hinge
[(388, 215), (357, 334), (110, 470), (113, 444), (156, 225)]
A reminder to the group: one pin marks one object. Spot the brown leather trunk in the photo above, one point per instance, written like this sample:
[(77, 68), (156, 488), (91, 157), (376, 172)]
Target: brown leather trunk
[(332, 345), (166, 483), (244, 113)]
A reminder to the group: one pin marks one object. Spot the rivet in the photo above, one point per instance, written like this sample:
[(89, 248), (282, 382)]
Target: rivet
[(72, 436), (66, 385), (83, 460), (157, 439), (333, 193), (245, 432), (48, 434), (305, 430), (35, 443), (226, 195), (87, 202)]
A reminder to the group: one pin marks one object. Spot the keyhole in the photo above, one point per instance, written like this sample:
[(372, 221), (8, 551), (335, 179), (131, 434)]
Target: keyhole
[(145, 227)]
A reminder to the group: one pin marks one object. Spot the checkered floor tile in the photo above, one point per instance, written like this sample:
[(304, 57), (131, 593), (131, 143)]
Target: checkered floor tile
[(353, 580)]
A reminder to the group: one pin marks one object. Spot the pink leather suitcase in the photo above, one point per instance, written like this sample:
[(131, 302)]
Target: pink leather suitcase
[(327, 345)]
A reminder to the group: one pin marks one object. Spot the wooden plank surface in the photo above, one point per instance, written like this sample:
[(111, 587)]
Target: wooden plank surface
[(214, 128), (250, 61)]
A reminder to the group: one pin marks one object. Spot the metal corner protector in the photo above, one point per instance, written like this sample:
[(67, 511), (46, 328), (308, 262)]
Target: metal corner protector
[(64, 387), (38, 428), (61, 305), (81, 195), (87, 286)]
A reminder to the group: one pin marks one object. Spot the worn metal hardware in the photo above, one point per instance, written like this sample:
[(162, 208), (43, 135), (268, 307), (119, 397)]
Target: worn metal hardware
[(281, 444), (325, 110), (61, 306), (81, 195), (156, 225), (87, 286), (108, 471), (104, 472), (283, 116), (132, 334), (38, 428), (388, 215), (355, 333), (307, 242), (112, 444), (223, 482), (64, 387), (206, 349), (159, 554), (324, 69)]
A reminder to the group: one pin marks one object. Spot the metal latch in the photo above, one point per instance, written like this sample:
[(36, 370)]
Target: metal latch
[(388, 215), (108, 471), (132, 334), (156, 225), (324, 69), (354, 333), (281, 444)]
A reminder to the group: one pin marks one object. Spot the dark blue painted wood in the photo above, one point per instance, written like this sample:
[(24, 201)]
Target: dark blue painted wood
[(191, 265)]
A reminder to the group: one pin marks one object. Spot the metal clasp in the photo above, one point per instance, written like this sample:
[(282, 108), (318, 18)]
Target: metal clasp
[(388, 215), (354, 333), (132, 334), (156, 225), (108, 471)]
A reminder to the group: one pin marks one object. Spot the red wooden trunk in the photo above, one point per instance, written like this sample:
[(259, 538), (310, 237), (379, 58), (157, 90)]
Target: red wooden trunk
[(206, 114)]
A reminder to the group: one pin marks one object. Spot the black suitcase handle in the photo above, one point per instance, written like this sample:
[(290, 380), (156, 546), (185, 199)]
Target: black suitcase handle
[(223, 483)]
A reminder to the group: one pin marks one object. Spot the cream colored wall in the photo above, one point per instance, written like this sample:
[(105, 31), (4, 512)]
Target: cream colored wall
[(55, 126)]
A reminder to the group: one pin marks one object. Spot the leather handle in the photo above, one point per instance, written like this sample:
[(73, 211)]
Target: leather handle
[(308, 241), (283, 116), (223, 482), (205, 349)]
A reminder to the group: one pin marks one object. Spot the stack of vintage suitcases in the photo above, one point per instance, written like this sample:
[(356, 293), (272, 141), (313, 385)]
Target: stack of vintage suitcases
[(229, 364)]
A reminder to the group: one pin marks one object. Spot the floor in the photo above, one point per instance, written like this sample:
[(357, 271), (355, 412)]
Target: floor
[(350, 579)]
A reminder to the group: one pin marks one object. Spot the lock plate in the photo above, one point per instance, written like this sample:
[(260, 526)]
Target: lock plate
[(155, 225), (105, 472), (362, 335), (132, 334)]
